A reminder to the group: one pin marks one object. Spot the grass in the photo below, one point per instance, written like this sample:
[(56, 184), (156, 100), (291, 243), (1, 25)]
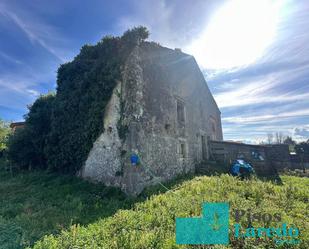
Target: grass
[(151, 224), (66, 212), (36, 204)]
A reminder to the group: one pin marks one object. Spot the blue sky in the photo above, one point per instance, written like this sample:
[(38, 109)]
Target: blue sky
[(256, 63)]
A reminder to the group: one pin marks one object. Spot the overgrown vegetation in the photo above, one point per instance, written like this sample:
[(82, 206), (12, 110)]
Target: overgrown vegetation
[(27, 145), (61, 129), (35, 204), (4, 134), (152, 224)]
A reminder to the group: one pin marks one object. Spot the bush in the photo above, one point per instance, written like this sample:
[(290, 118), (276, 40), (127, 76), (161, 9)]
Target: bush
[(26, 145), (4, 133), (21, 150)]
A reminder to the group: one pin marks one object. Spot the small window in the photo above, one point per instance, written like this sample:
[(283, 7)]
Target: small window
[(183, 150), (180, 111), (167, 127)]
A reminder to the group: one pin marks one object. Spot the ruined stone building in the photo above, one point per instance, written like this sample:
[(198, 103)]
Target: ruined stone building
[(163, 112)]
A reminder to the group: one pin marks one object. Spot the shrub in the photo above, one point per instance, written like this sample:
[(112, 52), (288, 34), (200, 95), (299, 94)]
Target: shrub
[(26, 145), (21, 150), (4, 133)]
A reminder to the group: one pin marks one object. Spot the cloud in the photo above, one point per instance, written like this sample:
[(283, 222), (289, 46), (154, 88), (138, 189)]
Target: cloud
[(301, 132), (18, 92), (36, 31), (266, 118), (265, 88), (268, 95), (172, 24), (9, 58), (33, 92)]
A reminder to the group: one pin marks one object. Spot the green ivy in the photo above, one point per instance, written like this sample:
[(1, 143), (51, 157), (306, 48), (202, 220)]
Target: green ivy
[(84, 87)]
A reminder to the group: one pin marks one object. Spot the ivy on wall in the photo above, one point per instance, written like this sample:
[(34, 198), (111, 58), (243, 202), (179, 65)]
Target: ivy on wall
[(84, 87)]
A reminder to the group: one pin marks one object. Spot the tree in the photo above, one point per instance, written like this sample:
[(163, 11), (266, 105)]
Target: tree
[(21, 151), (270, 138), (288, 140), (135, 35), (27, 145), (279, 137), (4, 133)]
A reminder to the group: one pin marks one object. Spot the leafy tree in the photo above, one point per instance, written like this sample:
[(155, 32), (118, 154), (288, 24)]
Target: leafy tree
[(135, 35), (27, 145), (4, 133), (21, 150)]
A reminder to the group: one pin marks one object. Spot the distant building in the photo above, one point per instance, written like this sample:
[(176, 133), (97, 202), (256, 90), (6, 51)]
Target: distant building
[(17, 125), (158, 122)]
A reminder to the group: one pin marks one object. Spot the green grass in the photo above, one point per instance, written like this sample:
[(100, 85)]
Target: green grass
[(36, 204), (151, 224), (46, 208)]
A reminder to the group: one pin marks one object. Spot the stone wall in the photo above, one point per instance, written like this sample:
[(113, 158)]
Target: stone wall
[(276, 157), (104, 160), (166, 146), (164, 112), (227, 152)]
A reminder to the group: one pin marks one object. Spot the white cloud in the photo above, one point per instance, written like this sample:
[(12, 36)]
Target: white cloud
[(17, 93), (33, 92), (266, 118), (262, 89), (160, 28), (301, 132), (9, 58), (35, 30)]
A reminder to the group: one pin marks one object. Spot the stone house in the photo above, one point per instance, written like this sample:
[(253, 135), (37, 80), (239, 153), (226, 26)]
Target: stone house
[(163, 112)]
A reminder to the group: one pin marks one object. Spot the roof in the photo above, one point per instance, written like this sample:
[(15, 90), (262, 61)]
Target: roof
[(14, 124)]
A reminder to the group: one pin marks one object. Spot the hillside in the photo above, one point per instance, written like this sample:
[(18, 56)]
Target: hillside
[(151, 224)]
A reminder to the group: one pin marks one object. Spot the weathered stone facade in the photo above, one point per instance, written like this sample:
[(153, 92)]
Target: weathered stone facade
[(163, 111)]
